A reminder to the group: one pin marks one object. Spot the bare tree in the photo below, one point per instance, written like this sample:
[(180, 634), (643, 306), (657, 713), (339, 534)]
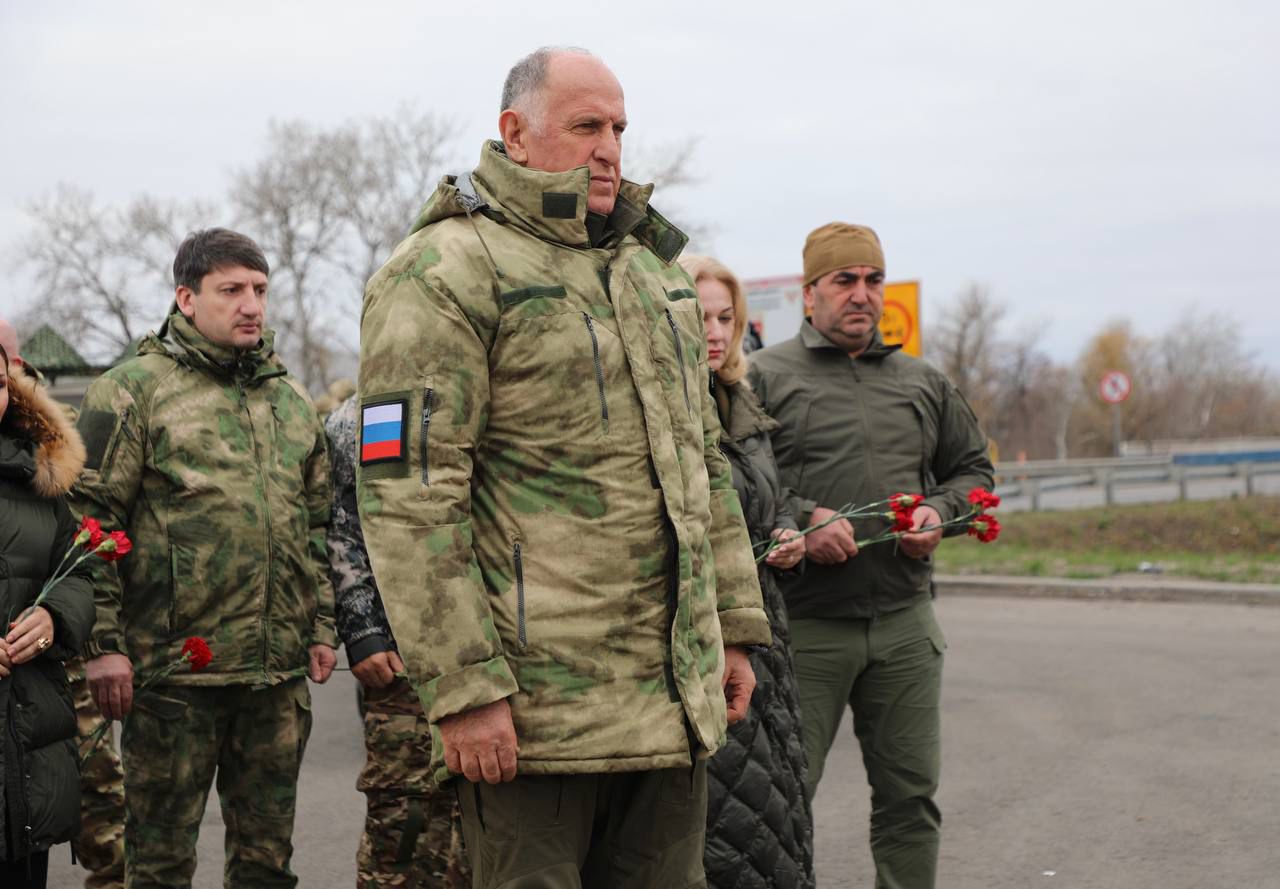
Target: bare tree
[(384, 178), (329, 205), (964, 346), (670, 167), (103, 275), (290, 201)]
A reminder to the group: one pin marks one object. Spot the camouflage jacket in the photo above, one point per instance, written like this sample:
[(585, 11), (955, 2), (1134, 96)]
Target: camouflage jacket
[(362, 621), (543, 498), (213, 460)]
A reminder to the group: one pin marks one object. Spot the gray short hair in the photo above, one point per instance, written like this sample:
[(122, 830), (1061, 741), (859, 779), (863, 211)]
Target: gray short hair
[(528, 75)]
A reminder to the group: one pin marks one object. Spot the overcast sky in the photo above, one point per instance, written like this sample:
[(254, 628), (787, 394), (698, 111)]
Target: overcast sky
[(1084, 160)]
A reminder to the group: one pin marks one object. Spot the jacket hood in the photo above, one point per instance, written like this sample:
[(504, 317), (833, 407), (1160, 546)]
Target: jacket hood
[(34, 419), (550, 206), (179, 339)]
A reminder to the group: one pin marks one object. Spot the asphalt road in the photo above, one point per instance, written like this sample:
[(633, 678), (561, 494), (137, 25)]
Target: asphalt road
[(1086, 744)]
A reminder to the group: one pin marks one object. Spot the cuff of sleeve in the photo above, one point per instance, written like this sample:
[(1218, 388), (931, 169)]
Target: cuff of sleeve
[(466, 689), (745, 626), (803, 510), (324, 634), (100, 645), (368, 645), (945, 514)]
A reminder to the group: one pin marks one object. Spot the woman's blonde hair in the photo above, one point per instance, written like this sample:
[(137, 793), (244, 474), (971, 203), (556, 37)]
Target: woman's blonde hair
[(703, 267)]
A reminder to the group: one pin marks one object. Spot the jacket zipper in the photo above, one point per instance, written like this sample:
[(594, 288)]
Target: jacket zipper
[(24, 800), (520, 618), (595, 357), (684, 377), (926, 474), (426, 426), (266, 512)]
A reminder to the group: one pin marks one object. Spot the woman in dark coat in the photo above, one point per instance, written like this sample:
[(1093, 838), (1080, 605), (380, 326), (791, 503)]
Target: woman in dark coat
[(40, 457), (759, 824)]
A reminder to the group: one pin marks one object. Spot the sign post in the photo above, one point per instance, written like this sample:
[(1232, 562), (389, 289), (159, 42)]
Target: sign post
[(1114, 387)]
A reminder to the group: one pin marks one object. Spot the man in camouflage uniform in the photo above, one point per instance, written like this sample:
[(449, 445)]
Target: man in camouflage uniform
[(100, 844), (554, 529), (412, 835), (212, 458)]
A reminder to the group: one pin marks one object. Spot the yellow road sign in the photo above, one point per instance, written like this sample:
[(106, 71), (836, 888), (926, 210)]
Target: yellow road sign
[(900, 323)]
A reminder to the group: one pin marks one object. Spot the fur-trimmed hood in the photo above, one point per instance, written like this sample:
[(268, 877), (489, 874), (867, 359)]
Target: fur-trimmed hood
[(34, 415)]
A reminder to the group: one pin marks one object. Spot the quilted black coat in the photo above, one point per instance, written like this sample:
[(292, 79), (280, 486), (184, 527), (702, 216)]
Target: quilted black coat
[(759, 824), (40, 457)]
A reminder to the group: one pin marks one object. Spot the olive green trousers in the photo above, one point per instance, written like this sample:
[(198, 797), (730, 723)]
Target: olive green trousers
[(888, 671), (627, 830)]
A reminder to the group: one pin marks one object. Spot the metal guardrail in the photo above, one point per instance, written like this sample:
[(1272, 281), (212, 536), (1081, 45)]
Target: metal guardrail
[(1033, 478)]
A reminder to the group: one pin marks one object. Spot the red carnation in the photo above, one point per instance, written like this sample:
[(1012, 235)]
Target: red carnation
[(90, 533), (115, 547), (983, 499), (905, 503), (902, 522), (195, 651), (985, 527)]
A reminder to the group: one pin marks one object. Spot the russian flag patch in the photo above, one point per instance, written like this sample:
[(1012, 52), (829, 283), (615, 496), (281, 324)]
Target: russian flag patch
[(382, 432)]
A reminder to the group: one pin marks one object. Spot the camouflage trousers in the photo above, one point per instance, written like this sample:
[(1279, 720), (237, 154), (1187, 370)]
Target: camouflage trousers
[(174, 742), (100, 844), (412, 833)]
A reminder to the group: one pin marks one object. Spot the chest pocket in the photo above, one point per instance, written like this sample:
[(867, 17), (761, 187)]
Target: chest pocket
[(928, 423), (553, 366), (678, 335)]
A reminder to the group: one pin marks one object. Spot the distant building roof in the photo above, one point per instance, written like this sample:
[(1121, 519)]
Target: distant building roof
[(48, 351)]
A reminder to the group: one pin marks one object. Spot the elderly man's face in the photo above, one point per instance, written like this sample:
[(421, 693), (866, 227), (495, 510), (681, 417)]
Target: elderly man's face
[(846, 305), (577, 121)]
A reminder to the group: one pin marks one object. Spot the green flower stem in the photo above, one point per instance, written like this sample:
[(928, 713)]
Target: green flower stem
[(865, 512), (163, 673), (848, 511), (53, 582)]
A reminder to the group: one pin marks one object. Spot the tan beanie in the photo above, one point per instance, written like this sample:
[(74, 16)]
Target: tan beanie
[(838, 245)]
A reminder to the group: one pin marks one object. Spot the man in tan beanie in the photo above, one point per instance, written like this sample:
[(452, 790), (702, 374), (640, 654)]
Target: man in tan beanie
[(859, 422)]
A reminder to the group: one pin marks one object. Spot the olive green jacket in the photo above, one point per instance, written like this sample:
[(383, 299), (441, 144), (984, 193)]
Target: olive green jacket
[(213, 461), (858, 430), (546, 509)]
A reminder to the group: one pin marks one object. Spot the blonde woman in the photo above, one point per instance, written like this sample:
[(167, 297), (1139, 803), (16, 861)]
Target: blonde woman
[(759, 824)]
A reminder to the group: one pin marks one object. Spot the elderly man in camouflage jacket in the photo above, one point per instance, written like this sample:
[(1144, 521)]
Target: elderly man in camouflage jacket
[(554, 529), (412, 838), (212, 458)]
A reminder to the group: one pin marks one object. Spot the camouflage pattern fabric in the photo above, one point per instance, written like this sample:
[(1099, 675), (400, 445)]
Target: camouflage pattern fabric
[(100, 844), (412, 835), (544, 501), (213, 460), (174, 741), (362, 621), (412, 831)]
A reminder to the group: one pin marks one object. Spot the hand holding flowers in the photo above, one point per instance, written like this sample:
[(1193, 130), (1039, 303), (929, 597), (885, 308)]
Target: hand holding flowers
[(195, 656), (33, 628), (915, 527)]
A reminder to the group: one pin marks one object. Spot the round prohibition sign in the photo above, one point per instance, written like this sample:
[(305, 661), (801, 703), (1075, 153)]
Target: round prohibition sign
[(1115, 386), (898, 321)]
